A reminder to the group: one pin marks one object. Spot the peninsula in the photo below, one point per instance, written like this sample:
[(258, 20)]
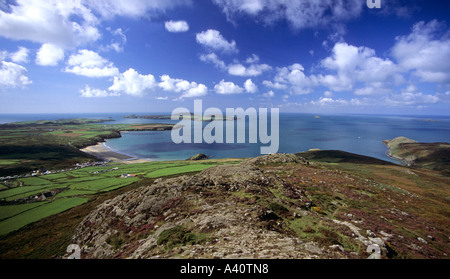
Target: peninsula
[(435, 156)]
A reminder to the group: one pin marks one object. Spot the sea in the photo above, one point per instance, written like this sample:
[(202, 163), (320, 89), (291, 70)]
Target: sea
[(355, 133)]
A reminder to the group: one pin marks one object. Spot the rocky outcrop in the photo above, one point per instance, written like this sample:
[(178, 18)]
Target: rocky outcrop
[(198, 157)]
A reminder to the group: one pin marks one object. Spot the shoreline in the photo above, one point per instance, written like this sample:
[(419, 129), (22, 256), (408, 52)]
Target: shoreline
[(103, 152)]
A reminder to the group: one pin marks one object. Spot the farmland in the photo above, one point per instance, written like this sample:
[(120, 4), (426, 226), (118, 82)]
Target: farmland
[(24, 204)]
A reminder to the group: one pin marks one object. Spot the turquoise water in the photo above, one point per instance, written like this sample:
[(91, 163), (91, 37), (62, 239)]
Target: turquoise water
[(361, 134)]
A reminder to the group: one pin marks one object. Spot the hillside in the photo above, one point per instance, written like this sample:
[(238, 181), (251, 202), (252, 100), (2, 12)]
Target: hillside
[(277, 206)]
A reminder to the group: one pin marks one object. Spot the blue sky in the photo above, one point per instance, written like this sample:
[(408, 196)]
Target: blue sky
[(154, 56)]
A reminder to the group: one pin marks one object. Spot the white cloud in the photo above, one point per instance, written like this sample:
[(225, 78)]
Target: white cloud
[(328, 94), (13, 75), (71, 23), (250, 87), (212, 39), (354, 65), (274, 85), (214, 59), (49, 55), (49, 21), (226, 88), (293, 79), (269, 94), (299, 13), (197, 90), (96, 93), (133, 83), (330, 102), (88, 63), (133, 8), (252, 59), (410, 96), (425, 52), (177, 26), (252, 70), (116, 45), (20, 56), (3, 55), (238, 69), (188, 89)]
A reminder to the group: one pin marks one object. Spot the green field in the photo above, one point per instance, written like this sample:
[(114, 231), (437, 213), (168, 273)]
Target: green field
[(77, 186), (37, 213)]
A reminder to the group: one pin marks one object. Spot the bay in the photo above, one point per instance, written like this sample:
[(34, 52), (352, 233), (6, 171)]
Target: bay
[(360, 134)]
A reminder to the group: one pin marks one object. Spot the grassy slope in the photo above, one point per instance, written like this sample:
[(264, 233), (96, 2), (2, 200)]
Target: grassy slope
[(415, 202)]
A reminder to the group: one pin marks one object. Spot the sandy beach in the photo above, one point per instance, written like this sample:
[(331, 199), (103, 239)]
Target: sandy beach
[(104, 153)]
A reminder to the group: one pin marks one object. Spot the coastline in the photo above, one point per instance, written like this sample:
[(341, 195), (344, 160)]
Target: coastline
[(103, 152)]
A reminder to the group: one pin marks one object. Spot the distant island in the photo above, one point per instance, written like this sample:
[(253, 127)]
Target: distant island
[(198, 157), (194, 117)]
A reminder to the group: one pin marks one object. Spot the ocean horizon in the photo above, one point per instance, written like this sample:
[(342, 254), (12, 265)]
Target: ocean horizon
[(355, 133)]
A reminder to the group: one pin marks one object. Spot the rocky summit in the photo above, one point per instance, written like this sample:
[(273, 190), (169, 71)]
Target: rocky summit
[(274, 206)]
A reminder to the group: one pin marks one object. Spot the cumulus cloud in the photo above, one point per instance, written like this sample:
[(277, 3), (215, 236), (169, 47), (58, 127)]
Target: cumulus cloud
[(21, 55), (212, 39), (269, 94), (197, 90), (410, 96), (133, 83), (354, 65), (228, 87), (425, 52), (299, 14), (13, 75), (69, 24), (293, 79), (52, 22), (90, 64), (49, 55), (250, 71), (250, 87), (214, 59), (177, 26), (188, 89), (133, 8), (96, 93), (236, 68)]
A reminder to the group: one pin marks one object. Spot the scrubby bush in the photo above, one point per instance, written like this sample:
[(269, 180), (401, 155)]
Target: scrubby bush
[(179, 236)]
